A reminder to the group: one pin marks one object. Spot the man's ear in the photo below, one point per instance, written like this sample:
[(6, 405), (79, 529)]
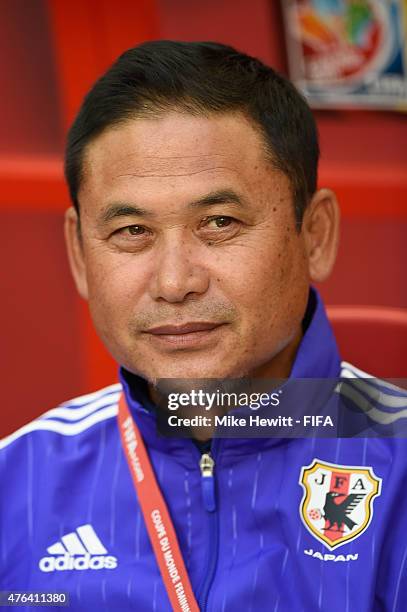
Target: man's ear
[(321, 233), (74, 248)]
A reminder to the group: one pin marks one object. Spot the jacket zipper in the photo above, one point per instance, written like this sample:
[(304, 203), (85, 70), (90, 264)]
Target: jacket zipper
[(208, 484)]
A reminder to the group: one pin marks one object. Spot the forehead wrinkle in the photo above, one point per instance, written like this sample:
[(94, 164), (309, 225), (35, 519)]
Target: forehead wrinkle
[(166, 157), (154, 174), (169, 165)]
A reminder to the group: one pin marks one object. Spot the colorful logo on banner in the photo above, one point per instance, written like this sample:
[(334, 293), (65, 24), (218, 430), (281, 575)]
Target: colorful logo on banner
[(348, 49), (337, 505), (345, 42)]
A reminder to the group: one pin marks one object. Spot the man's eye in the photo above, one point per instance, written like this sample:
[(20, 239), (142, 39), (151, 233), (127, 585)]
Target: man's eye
[(132, 238), (219, 222), (136, 230), (132, 230)]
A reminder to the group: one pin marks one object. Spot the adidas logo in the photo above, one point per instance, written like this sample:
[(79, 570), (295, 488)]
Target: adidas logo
[(79, 550)]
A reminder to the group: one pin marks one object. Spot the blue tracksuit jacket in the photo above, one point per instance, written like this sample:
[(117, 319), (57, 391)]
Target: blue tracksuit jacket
[(277, 540)]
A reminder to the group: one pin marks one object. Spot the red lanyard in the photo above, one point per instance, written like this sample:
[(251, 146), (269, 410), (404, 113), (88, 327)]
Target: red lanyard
[(156, 516)]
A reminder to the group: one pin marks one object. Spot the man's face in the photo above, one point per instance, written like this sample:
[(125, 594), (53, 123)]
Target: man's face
[(192, 264)]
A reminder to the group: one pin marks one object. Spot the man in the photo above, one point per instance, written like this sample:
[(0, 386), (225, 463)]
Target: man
[(195, 234)]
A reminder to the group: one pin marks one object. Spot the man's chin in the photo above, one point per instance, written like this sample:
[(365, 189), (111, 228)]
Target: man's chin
[(185, 377), (188, 374)]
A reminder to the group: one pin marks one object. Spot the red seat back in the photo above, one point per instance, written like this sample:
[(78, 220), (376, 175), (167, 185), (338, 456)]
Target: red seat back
[(373, 338)]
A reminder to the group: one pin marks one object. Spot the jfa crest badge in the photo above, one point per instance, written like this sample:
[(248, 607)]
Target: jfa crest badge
[(337, 505)]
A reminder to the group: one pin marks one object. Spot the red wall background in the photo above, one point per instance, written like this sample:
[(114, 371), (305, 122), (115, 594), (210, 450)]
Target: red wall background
[(51, 52)]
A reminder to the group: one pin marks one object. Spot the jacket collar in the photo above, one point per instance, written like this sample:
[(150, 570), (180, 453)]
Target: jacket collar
[(317, 357), (318, 354)]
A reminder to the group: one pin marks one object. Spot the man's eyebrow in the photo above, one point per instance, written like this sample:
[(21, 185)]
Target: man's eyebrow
[(122, 210), (224, 196)]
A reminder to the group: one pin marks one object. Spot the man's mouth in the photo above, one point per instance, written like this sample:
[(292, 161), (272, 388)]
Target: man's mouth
[(186, 335)]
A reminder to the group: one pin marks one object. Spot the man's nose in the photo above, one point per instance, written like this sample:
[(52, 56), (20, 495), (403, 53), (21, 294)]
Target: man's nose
[(178, 273)]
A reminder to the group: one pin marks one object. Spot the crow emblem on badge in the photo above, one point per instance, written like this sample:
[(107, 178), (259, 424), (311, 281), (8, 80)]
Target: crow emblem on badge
[(337, 505)]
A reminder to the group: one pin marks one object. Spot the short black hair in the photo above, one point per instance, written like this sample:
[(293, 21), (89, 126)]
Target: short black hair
[(201, 78)]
